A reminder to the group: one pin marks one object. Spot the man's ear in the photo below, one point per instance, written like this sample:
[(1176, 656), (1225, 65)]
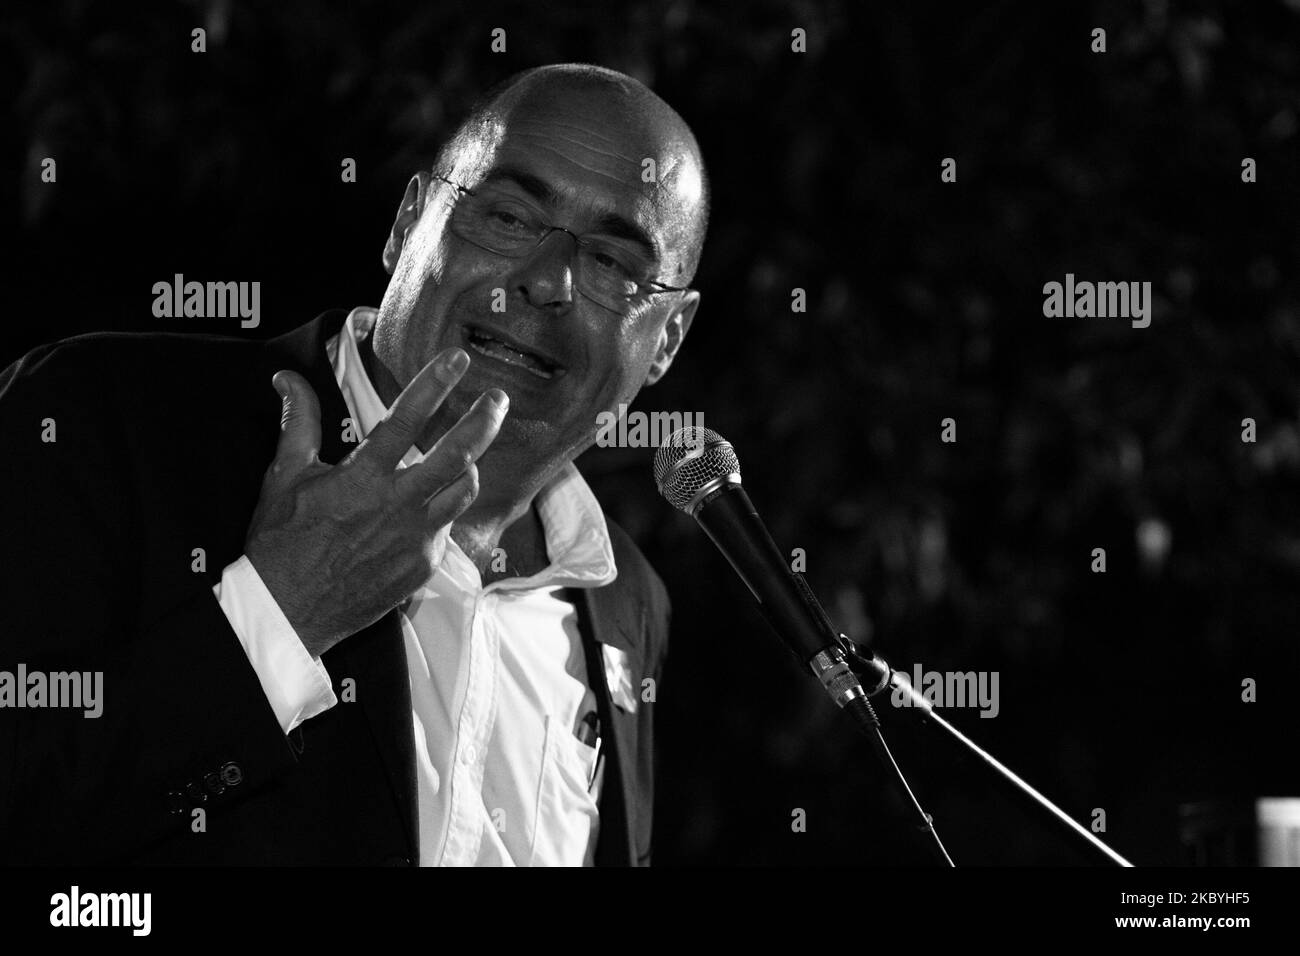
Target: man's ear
[(408, 214), (672, 336)]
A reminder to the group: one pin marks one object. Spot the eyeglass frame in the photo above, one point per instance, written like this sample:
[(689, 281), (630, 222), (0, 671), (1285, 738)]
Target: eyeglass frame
[(657, 288)]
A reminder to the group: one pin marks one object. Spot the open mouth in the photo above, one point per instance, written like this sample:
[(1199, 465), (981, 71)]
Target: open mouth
[(486, 344)]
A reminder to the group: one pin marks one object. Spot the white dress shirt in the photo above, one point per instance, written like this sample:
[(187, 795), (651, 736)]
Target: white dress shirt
[(498, 675)]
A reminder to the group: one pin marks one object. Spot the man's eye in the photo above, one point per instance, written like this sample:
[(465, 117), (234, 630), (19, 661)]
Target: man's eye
[(504, 217), (611, 264)]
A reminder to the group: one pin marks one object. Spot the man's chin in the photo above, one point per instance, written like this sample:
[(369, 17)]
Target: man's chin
[(523, 433)]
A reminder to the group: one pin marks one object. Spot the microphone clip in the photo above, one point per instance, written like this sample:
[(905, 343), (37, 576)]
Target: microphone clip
[(873, 671)]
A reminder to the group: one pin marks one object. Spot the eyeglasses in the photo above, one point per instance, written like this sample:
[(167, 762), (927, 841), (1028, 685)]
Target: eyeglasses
[(607, 272)]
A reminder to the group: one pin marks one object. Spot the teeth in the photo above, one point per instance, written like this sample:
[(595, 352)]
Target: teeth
[(492, 348)]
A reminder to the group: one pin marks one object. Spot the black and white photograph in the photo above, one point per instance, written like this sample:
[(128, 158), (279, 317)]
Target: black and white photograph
[(798, 437)]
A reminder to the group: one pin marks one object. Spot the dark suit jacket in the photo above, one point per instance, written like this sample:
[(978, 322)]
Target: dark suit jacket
[(161, 445)]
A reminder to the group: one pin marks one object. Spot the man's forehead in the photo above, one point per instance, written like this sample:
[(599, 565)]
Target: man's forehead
[(576, 161), (599, 153)]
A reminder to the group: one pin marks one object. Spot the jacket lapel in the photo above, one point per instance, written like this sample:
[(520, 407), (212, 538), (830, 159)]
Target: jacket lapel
[(375, 657), (600, 622)]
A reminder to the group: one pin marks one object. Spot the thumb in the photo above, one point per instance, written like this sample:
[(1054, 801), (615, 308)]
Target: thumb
[(299, 422)]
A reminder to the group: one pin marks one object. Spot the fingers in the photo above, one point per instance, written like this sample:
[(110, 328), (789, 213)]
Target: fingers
[(390, 439), (299, 442), (451, 501), (457, 450)]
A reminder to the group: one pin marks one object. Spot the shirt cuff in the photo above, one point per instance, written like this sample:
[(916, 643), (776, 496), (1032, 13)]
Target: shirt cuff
[(296, 685)]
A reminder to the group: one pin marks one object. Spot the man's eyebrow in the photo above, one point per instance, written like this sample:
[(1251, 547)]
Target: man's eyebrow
[(609, 223), (535, 186), (612, 224)]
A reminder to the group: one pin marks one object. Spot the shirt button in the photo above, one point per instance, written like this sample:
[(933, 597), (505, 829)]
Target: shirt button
[(469, 754)]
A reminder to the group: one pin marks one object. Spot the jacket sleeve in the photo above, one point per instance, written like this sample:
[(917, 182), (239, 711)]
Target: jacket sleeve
[(180, 721)]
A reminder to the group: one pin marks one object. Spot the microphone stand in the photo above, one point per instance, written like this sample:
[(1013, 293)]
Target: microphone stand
[(841, 680), (876, 676)]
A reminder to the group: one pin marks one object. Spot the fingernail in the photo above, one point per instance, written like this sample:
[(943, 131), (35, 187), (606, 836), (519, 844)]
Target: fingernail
[(458, 362), (499, 398)]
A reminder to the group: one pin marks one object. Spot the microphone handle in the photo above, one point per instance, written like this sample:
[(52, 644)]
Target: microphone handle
[(732, 523)]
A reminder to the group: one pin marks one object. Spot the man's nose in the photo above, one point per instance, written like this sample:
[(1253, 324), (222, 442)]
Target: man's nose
[(545, 277)]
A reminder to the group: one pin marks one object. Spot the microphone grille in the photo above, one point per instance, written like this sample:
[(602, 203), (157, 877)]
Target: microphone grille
[(688, 460)]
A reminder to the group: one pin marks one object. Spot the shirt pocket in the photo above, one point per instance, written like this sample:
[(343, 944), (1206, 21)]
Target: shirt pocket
[(567, 813)]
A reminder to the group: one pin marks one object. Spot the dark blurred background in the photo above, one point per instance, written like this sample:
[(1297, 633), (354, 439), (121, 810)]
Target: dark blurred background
[(1119, 691)]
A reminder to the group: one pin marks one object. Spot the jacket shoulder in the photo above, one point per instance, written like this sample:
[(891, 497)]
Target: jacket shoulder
[(97, 359)]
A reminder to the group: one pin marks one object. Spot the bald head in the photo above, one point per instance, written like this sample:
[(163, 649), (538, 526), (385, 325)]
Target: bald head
[(634, 125)]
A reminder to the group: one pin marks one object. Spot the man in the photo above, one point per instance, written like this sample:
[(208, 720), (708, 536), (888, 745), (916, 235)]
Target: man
[(428, 646)]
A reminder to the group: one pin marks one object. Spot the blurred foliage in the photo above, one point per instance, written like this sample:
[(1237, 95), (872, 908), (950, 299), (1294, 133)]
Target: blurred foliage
[(1119, 691)]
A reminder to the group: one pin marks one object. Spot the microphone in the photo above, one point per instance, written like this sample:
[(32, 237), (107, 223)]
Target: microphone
[(697, 471)]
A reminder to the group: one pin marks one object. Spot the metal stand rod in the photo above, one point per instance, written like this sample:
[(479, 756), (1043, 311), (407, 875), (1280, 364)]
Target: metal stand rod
[(877, 676)]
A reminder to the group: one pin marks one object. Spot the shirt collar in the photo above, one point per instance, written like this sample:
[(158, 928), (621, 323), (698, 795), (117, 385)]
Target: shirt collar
[(577, 538)]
